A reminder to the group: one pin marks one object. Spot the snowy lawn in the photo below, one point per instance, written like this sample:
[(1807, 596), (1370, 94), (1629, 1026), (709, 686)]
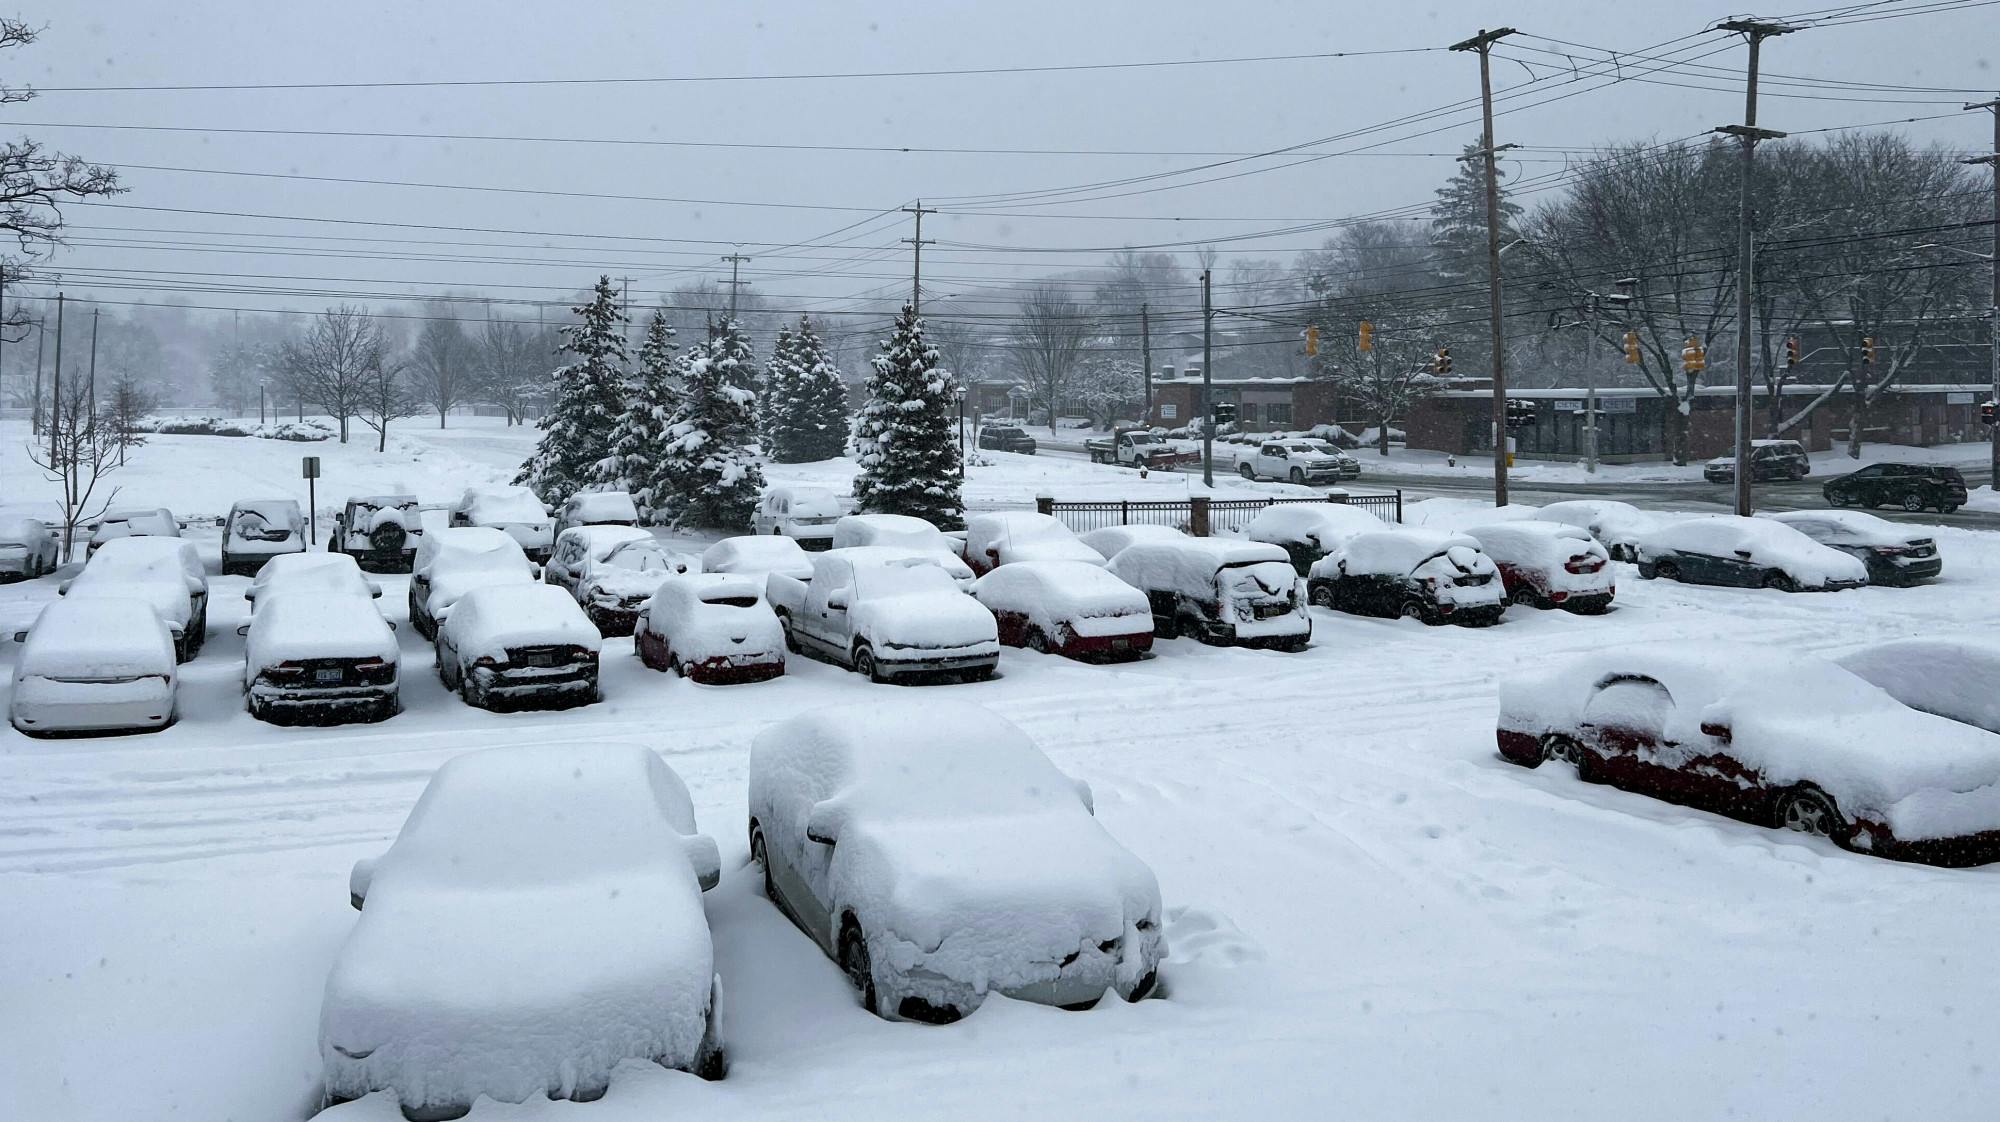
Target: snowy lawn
[(1369, 915)]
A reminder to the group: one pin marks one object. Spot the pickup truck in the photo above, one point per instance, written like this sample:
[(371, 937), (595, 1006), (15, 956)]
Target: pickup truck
[(1136, 448), (886, 614), (1298, 461)]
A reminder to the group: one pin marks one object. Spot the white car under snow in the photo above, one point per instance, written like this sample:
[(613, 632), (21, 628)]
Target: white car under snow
[(537, 921), (166, 572), (1111, 539), (504, 645), (313, 656), (1003, 537), (758, 555), (904, 532), (94, 665), (323, 573), (513, 510), (454, 561), (886, 614), (936, 855)]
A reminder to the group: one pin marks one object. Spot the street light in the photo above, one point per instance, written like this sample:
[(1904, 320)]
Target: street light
[(261, 383)]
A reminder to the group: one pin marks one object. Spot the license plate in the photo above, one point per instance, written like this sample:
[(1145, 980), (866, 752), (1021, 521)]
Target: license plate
[(1271, 611), (540, 658), (1121, 644), (325, 676)]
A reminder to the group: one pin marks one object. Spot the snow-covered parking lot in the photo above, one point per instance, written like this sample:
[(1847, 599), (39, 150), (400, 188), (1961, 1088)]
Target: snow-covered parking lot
[(1369, 914)]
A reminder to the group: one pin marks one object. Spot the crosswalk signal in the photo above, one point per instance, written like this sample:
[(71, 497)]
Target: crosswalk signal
[(1792, 351), (1632, 348), (1312, 341), (1694, 356), (1367, 336), (1868, 350), (1442, 363)]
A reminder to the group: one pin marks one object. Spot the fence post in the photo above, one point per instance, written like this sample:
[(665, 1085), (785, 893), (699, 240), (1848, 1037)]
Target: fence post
[(1124, 512), (1198, 516), (1399, 506), (1045, 504)]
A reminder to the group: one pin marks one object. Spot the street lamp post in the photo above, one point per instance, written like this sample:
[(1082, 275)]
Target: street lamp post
[(261, 383)]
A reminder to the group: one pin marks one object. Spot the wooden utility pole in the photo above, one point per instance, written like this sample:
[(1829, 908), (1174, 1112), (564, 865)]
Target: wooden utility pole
[(1207, 387), (736, 261), (1756, 31), (35, 410), (1146, 357), (917, 245), (91, 421), (1993, 160), (1483, 43), (55, 397)]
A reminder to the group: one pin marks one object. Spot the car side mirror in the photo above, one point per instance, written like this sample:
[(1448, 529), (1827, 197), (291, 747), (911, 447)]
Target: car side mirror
[(357, 881), (823, 824), (705, 857), (391, 623), (837, 601), (375, 590), (63, 588), (1716, 729), (243, 629), (535, 571), (1744, 554), (20, 636)]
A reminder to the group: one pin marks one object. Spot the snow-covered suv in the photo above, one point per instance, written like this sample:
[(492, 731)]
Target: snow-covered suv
[(886, 613), (379, 531)]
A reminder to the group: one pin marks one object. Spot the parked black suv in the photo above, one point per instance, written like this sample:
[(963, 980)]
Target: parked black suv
[(1769, 459), (1006, 438), (1910, 486)]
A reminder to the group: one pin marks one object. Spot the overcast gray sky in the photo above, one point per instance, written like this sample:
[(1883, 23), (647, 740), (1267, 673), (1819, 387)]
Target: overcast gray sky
[(1237, 108)]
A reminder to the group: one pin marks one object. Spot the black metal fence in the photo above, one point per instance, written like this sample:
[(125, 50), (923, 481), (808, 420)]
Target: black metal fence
[(1199, 516)]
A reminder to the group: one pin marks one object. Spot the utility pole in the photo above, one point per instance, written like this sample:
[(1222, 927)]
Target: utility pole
[(1146, 356), (1483, 43), (736, 261), (917, 245), (1756, 31), (1207, 385), (35, 412), (55, 398), (91, 421), (1993, 160)]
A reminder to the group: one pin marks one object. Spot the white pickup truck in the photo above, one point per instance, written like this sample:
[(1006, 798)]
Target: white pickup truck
[(1137, 448), (1299, 461), (885, 614)]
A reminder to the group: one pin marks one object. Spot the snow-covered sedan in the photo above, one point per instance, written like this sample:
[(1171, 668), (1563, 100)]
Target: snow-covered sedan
[(514, 511), (94, 666), (758, 555), (1746, 553), (323, 573), (1309, 531), (1435, 576), (711, 628), (887, 614), (166, 572), (537, 921), (1611, 522), (1219, 591), (456, 560), (578, 545), (1892, 553), (314, 657), (613, 588), (112, 525), (1796, 743), (597, 508), (936, 855), (1007, 536), (29, 548), (1068, 608), (258, 530), (1549, 564), (518, 645), (908, 533)]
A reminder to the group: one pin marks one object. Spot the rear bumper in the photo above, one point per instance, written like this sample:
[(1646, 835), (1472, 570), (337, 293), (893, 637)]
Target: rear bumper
[(612, 621), (729, 671), (1519, 747), (41, 706), (1479, 615), (1583, 601), (892, 664), (1109, 646), (555, 683), (1889, 570), (1954, 853), (344, 702)]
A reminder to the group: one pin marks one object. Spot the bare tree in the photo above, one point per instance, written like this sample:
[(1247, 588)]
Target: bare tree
[(1053, 329), (442, 366), (1393, 375), (78, 452), (386, 396), (123, 412), (337, 363), (513, 363)]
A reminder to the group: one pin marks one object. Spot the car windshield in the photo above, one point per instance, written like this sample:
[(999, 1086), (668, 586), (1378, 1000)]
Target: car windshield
[(1142, 438), (641, 557), (911, 578)]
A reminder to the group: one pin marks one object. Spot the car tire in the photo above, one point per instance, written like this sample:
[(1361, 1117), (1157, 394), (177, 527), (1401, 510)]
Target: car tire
[(1558, 748), (1320, 596), (1665, 570), (1948, 508), (1414, 609), (1836, 499), (444, 1112), (1808, 810), (1146, 986), (864, 663), (1246, 471), (1912, 502), (1782, 582), (1298, 477), (977, 674), (470, 693), (675, 666), (760, 855), (1036, 641), (855, 964)]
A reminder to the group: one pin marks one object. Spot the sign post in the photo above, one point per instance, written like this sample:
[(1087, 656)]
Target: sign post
[(309, 467)]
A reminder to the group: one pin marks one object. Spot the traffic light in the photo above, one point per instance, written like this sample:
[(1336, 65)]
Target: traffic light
[(1694, 356), (1868, 350), (1367, 336), (1223, 412), (1632, 348), (1312, 341), (1792, 351), (1520, 413), (1986, 413), (1442, 363)]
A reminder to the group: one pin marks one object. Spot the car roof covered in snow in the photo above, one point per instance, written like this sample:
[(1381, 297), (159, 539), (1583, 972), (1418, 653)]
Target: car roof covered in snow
[(272, 510), (1397, 552), (602, 506), (493, 504), (1596, 514), (810, 502), (383, 502), (321, 572), (21, 528), (1952, 676), (470, 547), (136, 522), (1526, 539), (1848, 527), (758, 553), (1189, 566), (142, 557), (97, 637), (298, 623), (1109, 540), (1320, 525), (1059, 589), (492, 617), (1723, 533), (903, 530)]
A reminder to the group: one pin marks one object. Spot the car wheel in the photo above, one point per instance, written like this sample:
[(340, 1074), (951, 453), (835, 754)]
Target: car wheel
[(1320, 596), (1146, 986), (761, 857), (864, 663), (854, 963), (1913, 502), (1037, 641), (1836, 499), (1414, 609), (1783, 582), (470, 693), (1299, 477), (1809, 810), (444, 1112), (1948, 508), (1246, 471), (1665, 570)]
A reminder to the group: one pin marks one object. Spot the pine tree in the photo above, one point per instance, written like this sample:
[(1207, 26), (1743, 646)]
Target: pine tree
[(906, 437), (589, 400), (1458, 220), (634, 461), (711, 478), (780, 376), (808, 400)]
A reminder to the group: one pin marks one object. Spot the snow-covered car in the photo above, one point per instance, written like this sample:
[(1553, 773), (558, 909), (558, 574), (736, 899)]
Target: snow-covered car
[(1744, 552), (1007, 536), (1068, 608), (1950, 676), (94, 666), (514, 510), (1309, 531), (382, 532), (258, 530), (1435, 576), (1224, 592), (322, 573), (1304, 462), (537, 921), (518, 645), (937, 856), (1795, 742), (154, 522), (613, 588), (1769, 459), (1890, 551), (758, 555), (577, 546), (907, 533), (1549, 564), (597, 508), (1613, 523), (886, 613), (1109, 540), (804, 514), (29, 548), (457, 560), (163, 571), (316, 657), (712, 628)]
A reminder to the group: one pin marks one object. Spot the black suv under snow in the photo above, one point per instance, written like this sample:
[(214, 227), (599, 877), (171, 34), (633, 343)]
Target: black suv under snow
[(1910, 486)]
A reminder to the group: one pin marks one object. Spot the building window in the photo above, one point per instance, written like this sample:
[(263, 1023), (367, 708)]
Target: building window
[(1169, 411), (1246, 413), (1278, 412)]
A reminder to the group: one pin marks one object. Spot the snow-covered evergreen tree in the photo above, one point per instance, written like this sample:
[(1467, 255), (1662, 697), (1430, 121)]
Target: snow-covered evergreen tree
[(651, 399), (776, 393), (589, 398), (710, 476), (807, 400), (907, 434), (733, 356)]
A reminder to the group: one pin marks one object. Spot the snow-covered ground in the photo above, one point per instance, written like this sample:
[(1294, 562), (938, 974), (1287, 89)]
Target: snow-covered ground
[(1369, 915)]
